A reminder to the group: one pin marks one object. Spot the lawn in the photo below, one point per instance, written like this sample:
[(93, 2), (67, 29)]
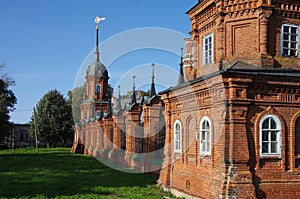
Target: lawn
[(57, 173)]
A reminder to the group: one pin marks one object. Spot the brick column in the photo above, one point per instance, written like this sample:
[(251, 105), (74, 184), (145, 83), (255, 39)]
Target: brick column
[(238, 172), (264, 21), (132, 121), (151, 126), (101, 139), (119, 124), (108, 124), (266, 59), (164, 177), (88, 138), (220, 43), (97, 137)]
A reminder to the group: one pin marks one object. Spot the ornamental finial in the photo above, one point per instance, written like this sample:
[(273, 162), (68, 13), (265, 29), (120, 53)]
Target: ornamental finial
[(98, 20)]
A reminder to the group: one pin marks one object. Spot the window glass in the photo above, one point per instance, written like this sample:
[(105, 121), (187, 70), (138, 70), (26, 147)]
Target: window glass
[(205, 136), (177, 137), (270, 132), (289, 43), (208, 49)]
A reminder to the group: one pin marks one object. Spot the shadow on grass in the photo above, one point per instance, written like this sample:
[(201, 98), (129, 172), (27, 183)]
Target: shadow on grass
[(59, 173)]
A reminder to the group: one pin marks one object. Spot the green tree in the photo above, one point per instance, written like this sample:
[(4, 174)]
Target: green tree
[(53, 119), (7, 104), (75, 99)]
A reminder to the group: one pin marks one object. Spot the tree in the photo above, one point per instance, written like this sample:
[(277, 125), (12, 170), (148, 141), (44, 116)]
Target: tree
[(7, 104), (53, 119), (75, 99)]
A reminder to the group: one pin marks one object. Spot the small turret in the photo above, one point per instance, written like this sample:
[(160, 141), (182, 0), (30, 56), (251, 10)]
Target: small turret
[(181, 74), (133, 96)]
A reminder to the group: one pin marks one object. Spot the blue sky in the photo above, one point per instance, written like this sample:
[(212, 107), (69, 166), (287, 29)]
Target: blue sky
[(46, 44)]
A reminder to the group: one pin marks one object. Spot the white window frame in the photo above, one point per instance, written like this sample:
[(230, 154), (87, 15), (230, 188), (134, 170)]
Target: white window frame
[(205, 141), (206, 58), (277, 130), (289, 48), (177, 137)]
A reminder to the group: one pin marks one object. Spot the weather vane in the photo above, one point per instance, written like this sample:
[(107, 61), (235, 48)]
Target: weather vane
[(98, 20)]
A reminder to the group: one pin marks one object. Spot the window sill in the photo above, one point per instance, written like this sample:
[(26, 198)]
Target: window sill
[(205, 156), (289, 56), (207, 65), (278, 157)]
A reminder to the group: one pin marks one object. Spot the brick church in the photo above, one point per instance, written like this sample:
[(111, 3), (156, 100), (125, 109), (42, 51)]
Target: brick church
[(231, 125)]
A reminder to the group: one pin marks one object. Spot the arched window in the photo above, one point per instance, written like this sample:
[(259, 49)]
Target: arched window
[(98, 89), (205, 136), (270, 136), (177, 137), (297, 143)]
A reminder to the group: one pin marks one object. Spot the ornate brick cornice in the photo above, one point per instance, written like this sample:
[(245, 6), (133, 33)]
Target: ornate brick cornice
[(288, 14), (200, 7), (289, 9)]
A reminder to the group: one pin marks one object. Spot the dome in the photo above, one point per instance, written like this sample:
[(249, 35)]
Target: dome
[(97, 69)]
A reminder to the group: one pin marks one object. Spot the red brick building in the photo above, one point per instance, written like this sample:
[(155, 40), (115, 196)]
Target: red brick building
[(233, 121), (231, 126)]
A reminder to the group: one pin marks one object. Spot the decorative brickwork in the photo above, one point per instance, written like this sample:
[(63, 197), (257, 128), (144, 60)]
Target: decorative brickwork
[(248, 81)]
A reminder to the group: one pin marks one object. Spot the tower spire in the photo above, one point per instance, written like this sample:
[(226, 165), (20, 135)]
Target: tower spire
[(181, 74), (152, 90), (118, 105), (133, 96), (97, 21)]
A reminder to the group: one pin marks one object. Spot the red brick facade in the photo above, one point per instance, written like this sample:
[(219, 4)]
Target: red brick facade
[(240, 78), (232, 128)]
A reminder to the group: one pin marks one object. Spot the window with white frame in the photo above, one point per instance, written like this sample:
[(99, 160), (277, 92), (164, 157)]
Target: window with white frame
[(205, 136), (177, 137), (270, 136), (290, 40), (208, 49)]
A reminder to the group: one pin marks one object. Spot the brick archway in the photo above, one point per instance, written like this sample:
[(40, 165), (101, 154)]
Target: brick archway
[(295, 142), (270, 111), (190, 132)]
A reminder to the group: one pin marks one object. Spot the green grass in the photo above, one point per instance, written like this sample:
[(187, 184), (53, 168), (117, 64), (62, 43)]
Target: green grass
[(57, 173)]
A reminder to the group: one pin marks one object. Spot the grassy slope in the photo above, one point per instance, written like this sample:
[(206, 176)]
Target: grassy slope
[(55, 173)]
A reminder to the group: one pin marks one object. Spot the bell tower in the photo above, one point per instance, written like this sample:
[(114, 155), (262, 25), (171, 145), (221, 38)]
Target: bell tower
[(96, 97)]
